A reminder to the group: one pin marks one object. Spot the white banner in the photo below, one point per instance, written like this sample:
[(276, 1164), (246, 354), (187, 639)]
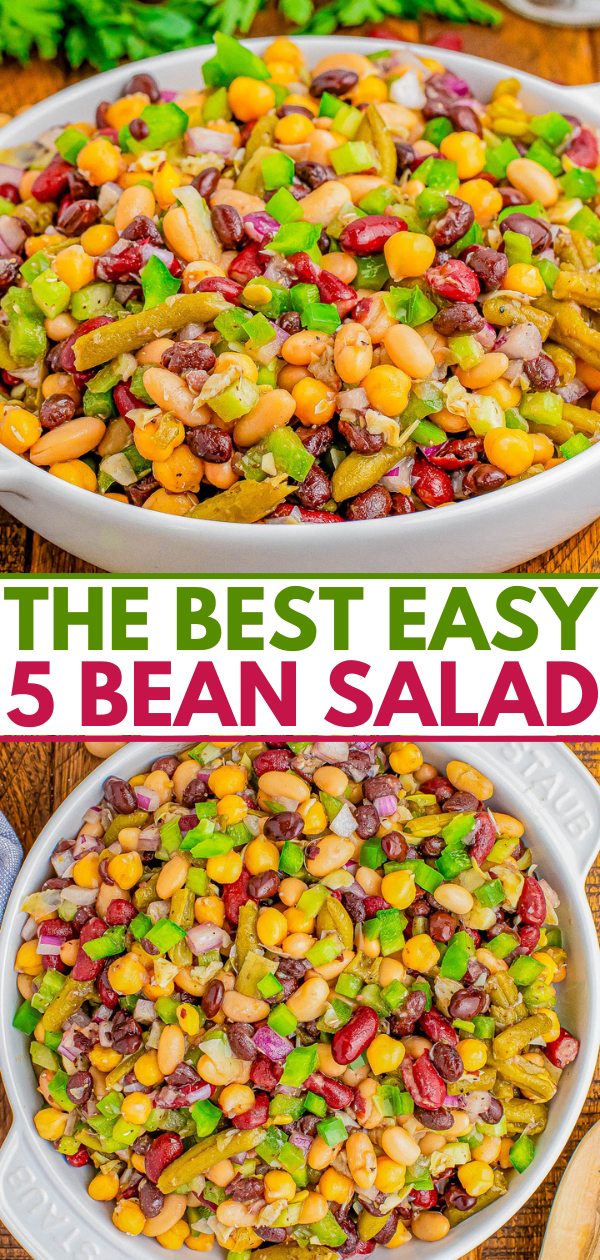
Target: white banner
[(498, 657)]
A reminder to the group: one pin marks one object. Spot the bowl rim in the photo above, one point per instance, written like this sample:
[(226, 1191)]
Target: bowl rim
[(549, 833), (585, 97)]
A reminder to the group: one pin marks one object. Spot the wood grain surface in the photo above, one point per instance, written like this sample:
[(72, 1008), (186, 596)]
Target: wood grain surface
[(36, 778), (562, 54)]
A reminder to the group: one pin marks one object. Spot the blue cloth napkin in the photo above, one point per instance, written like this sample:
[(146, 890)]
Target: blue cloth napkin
[(11, 856)]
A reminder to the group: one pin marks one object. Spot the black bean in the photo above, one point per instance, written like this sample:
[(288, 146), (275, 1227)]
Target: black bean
[(206, 182), (359, 439), (394, 846), (337, 82), (185, 355), (139, 129), (446, 1061), (542, 372), (240, 1039), (120, 795), (287, 825), (313, 173), (210, 443), (142, 83), (367, 820), (290, 321), (439, 1118), (315, 490), (79, 216), (490, 267), (459, 318), (228, 224), (151, 1199), (264, 885), (483, 478), (142, 228)]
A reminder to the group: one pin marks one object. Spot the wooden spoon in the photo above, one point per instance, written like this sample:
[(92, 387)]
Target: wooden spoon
[(573, 1229)]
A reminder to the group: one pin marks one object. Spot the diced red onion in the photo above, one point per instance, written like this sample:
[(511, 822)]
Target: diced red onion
[(92, 814), (302, 1140), (456, 85), (289, 1090), (197, 1093), (66, 1046), (271, 1044), (84, 844), (572, 392), (476, 1102), (158, 910), (260, 226), (204, 140), (238, 1159), (363, 745), (204, 937), (432, 450), (344, 823), (522, 341), (144, 1011), (168, 96), (150, 833), (385, 806), (72, 1120), (79, 896), (29, 929), (357, 891), (12, 233), (101, 1012), (486, 336), (397, 480), (514, 370), (62, 863), (331, 752), (10, 174), (147, 799), (165, 255), (49, 945), (149, 844)]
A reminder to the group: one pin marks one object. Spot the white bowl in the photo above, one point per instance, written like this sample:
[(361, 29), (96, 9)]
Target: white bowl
[(44, 1203), (490, 533)]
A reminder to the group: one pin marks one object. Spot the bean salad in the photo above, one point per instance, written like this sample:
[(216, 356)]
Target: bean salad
[(308, 295), (289, 996)]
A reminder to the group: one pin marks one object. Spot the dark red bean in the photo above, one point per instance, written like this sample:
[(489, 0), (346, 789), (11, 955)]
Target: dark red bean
[(367, 820), (142, 490), (126, 1033), (56, 410), (387, 1230), (355, 906), (537, 230), (426, 1199), (564, 1050), (423, 1083), (583, 150), (185, 355), (460, 803), (165, 1148), (240, 1039), (336, 1094), (79, 1088), (287, 825), (542, 372), (359, 439), (467, 1003), (457, 453), (10, 193), (230, 289), (101, 120), (404, 1019), (313, 173), (438, 1028), (494, 1112), (284, 110), (266, 1074), (120, 912), (381, 785), (463, 317), (529, 935), (337, 82), (357, 1034), (532, 903), (482, 479), (373, 904), (274, 759), (255, 1116), (485, 838), (52, 181), (67, 357), (9, 272), (465, 118), (80, 215), (418, 909), (490, 267), (402, 505), (167, 764), (394, 846), (213, 998), (120, 794), (373, 504), (245, 1189), (458, 1198), (454, 280), (270, 1234), (87, 968), (447, 1061), (437, 1119), (235, 895), (512, 197), (195, 792), (245, 266), (432, 846), (107, 994), (315, 490), (79, 1159), (228, 224), (432, 485), (151, 1199), (142, 229), (369, 234), (139, 129), (206, 182), (290, 322), (265, 885), (142, 83), (455, 222), (439, 787), (210, 443)]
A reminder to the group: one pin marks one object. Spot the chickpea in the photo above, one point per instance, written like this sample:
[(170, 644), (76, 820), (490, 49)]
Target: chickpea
[(290, 890), (321, 1155)]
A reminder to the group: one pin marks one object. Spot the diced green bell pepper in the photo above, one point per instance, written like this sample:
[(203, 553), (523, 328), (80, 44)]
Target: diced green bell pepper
[(237, 400), (277, 171), (26, 1018), (325, 950), (436, 130), (166, 122), (372, 273), (316, 1105), (57, 1088), (524, 970), (490, 894), (232, 61), (409, 306), (106, 946), (348, 986), (329, 105), (502, 945), (320, 317), (575, 445), (517, 247), (166, 1009), (206, 1117), (353, 157), (332, 1131), (458, 954), (372, 854), (302, 295), (541, 153), (285, 209), (282, 1020), (552, 127), (452, 861), (498, 158), (522, 1153), (299, 1065), (425, 876), (291, 858), (157, 282), (279, 301), (587, 222), (293, 238), (70, 142), (51, 294)]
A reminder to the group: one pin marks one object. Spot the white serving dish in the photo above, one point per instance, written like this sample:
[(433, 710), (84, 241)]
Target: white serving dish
[(44, 1203), (487, 534)]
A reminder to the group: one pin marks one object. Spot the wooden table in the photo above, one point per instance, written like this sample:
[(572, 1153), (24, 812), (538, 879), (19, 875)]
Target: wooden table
[(34, 780), (558, 53)]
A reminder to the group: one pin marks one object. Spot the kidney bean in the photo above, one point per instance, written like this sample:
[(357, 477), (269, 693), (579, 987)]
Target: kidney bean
[(532, 903), (355, 906), (264, 885), (210, 443), (455, 222), (9, 272), (463, 317), (454, 280), (290, 322), (126, 1033), (234, 896), (359, 439), (287, 825), (438, 1028), (10, 193), (373, 904), (270, 1234), (542, 372), (52, 181), (246, 265), (120, 794), (142, 490), (213, 998), (337, 82), (583, 150), (274, 759), (425, 1087), (142, 83), (369, 234), (206, 182), (394, 846), (245, 1189), (120, 912), (151, 1199), (457, 453), (255, 1116), (80, 1087), (537, 230), (228, 224), (87, 968), (67, 359), (465, 118), (317, 440), (143, 229), (367, 820), (426, 1199), (313, 173), (264, 1073), (467, 1003), (315, 490), (75, 218), (439, 787), (165, 1148), (418, 909), (336, 1094), (458, 1198), (167, 764), (485, 838), (439, 1119), (490, 267), (240, 1039), (529, 935), (107, 994), (185, 355), (403, 1021), (387, 1230), (142, 1144), (447, 1061), (432, 485), (482, 479), (381, 785), (81, 1157)]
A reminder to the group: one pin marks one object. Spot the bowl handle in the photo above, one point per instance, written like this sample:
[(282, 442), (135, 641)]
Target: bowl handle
[(33, 1207), (587, 93)]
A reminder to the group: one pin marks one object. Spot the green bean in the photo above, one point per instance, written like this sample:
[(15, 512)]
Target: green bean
[(251, 178), (138, 818), (527, 1076), (289, 1251), (262, 133), (71, 997), (342, 922), (244, 502), (206, 1154), (123, 1068), (503, 991), (514, 1039), (358, 473), (521, 1114), (485, 1080), (246, 939), (146, 892), (125, 335)]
